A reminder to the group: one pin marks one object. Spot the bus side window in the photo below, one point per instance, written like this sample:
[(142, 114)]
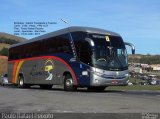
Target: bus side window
[(65, 44), (83, 51), (58, 44)]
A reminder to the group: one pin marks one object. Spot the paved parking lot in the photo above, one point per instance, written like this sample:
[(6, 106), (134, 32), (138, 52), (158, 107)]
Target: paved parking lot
[(16, 100)]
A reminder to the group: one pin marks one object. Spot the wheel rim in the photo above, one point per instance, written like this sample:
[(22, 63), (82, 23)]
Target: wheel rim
[(69, 82), (21, 82)]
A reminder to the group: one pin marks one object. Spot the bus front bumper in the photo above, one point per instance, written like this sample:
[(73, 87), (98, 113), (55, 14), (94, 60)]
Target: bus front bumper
[(99, 80)]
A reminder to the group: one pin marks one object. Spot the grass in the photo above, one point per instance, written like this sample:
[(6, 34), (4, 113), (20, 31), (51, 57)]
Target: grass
[(3, 45)]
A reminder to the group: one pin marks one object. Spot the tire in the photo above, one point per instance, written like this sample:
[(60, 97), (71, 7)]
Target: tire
[(101, 88), (46, 86), (21, 82), (69, 84)]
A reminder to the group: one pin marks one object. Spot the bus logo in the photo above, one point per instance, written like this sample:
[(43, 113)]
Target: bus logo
[(49, 65)]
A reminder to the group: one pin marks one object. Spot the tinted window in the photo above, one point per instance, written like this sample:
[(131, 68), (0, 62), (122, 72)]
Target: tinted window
[(58, 44), (83, 48), (114, 41), (83, 51)]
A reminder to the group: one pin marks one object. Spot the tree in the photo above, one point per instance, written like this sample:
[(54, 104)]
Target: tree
[(4, 52)]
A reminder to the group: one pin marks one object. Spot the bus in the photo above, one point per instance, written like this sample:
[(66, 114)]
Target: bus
[(72, 57)]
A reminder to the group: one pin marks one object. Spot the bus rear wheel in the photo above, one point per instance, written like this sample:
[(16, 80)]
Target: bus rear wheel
[(21, 82), (68, 83)]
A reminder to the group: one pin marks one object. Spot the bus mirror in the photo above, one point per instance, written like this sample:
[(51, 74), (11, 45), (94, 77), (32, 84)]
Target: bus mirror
[(133, 51), (132, 47), (90, 41)]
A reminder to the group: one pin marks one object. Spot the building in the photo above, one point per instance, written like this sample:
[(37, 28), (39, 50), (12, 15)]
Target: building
[(156, 67)]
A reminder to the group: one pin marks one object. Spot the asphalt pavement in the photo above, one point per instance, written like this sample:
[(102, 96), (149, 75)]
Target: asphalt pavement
[(15, 100)]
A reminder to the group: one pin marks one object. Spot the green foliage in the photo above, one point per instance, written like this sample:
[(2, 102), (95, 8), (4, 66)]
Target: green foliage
[(145, 59), (8, 41), (4, 52)]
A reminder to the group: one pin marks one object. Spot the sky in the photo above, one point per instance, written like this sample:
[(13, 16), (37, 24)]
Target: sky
[(137, 21)]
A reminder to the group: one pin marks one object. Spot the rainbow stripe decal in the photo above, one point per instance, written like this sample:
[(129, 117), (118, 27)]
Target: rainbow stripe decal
[(18, 64), (16, 69)]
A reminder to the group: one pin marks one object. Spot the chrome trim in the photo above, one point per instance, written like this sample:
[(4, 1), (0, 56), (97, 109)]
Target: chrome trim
[(99, 77)]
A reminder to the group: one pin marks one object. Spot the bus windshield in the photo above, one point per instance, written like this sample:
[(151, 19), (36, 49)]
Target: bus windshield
[(109, 52)]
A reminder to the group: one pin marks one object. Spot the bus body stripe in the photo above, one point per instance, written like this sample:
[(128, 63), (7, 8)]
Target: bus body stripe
[(16, 69)]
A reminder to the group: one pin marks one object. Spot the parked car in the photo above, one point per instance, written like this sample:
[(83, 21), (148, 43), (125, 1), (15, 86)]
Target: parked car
[(158, 82), (130, 83), (4, 79), (144, 83), (152, 79)]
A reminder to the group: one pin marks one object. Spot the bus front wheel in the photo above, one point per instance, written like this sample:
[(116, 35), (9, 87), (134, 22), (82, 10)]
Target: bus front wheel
[(68, 83)]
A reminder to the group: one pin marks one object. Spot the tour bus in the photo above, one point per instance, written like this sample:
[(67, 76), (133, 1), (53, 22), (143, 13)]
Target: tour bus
[(72, 57)]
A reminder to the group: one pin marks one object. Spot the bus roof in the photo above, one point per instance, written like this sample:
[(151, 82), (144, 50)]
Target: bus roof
[(66, 30)]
